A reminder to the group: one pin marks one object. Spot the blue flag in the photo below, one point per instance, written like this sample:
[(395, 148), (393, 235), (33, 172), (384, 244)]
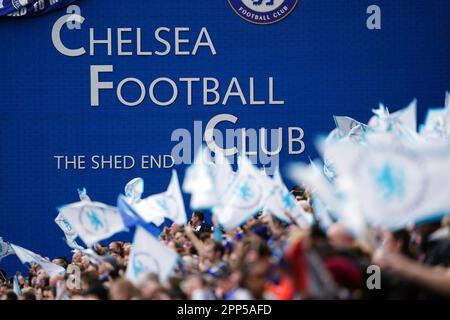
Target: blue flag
[(131, 218), (22, 8)]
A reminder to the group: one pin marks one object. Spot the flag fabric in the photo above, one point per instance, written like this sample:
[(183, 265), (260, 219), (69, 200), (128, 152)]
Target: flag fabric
[(82, 193), (69, 232), (27, 8), (207, 179), (199, 181), (437, 122), (407, 116), (346, 124), (402, 124), (5, 249), (93, 221), (281, 201), (27, 256), (334, 197), (167, 204), (134, 190), (394, 184), (67, 228), (245, 196), (139, 208), (131, 218), (148, 255), (16, 286)]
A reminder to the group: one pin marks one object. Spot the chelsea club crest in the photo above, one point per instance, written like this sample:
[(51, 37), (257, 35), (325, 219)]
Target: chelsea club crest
[(263, 11)]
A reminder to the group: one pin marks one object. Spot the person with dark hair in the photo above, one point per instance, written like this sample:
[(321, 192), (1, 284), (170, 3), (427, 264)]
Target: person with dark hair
[(198, 223), (61, 261), (27, 295), (9, 295), (299, 193)]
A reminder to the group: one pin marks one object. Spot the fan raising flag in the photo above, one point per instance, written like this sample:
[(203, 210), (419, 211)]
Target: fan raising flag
[(148, 255), (245, 196), (28, 257), (93, 221)]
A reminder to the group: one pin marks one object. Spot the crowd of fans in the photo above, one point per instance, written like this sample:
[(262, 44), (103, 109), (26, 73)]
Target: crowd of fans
[(263, 259)]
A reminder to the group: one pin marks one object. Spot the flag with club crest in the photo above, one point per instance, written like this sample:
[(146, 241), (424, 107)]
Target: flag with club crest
[(93, 221), (134, 209), (206, 179), (148, 255), (167, 204), (394, 184), (67, 228), (28, 257), (246, 196), (5, 249), (281, 201)]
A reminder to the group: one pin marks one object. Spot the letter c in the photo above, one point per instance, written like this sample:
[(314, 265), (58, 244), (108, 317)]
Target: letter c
[(56, 35), (209, 134)]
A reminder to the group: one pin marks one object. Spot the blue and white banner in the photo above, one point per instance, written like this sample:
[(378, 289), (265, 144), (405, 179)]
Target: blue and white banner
[(246, 196), (148, 255), (21, 8), (93, 221), (28, 257), (67, 228), (131, 218), (5, 249)]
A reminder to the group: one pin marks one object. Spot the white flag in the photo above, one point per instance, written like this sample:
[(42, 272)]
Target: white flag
[(333, 196), (199, 181), (93, 221), (69, 232), (407, 116), (5, 249), (437, 122), (245, 196), (347, 124), (172, 202), (134, 190), (67, 228), (148, 255), (282, 201), (395, 185), (167, 204), (145, 208), (207, 180), (27, 256)]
